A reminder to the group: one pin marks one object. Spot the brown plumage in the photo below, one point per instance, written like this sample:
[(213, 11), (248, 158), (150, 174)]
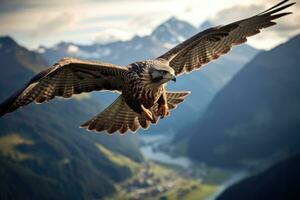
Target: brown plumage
[(119, 116), (213, 42), (143, 96)]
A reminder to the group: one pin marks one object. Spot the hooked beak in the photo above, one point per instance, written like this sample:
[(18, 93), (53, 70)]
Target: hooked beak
[(169, 77), (174, 78)]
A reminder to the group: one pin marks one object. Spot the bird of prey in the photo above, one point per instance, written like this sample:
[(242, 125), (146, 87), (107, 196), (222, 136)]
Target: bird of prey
[(143, 97)]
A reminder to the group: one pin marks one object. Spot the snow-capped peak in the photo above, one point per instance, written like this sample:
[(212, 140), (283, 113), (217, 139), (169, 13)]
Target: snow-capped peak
[(72, 49), (173, 31), (41, 50)]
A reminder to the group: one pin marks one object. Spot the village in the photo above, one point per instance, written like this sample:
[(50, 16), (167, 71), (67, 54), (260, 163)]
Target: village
[(154, 181)]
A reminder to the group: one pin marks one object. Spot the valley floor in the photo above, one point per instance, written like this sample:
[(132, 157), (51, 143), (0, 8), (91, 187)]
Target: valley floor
[(157, 181)]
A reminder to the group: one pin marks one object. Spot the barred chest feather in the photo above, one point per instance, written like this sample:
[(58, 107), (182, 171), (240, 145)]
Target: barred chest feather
[(139, 88)]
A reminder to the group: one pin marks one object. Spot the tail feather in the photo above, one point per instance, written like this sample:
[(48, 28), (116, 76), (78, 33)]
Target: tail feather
[(120, 117), (117, 117), (175, 98)]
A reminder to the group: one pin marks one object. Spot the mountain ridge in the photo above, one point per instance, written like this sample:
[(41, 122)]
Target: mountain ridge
[(277, 183), (43, 144), (258, 107)]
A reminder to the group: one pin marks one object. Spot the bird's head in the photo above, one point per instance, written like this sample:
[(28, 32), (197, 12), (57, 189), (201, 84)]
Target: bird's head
[(161, 73)]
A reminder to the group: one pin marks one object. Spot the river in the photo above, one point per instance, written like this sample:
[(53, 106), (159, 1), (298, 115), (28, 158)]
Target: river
[(149, 152)]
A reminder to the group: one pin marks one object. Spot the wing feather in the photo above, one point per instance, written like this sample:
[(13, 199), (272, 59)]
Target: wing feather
[(210, 44), (67, 77), (117, 117)]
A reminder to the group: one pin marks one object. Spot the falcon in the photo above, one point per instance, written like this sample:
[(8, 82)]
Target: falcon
[(143, 98)]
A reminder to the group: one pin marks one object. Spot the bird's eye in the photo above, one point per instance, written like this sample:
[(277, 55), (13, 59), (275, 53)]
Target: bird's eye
[(164, 72)]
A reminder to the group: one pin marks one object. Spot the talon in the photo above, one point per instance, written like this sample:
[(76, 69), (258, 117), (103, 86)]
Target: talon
[(147, 113), (156, 112), (163, 110)]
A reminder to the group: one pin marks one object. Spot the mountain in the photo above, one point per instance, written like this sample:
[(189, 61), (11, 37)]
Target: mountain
[(280, 182), (203, 84), (30, 61), (43, 153), (163, 37), (255, 116), (206, 24), (172, 32)]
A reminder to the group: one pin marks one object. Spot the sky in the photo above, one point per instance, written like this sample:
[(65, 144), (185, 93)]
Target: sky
[(33, 22)]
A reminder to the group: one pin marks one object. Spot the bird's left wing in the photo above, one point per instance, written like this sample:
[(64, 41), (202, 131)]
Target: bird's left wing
[(211, 43), (67, 77)]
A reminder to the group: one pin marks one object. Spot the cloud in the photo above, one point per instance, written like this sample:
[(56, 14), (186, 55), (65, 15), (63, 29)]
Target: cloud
[(54, 24), (35, 22), (235, 13), (110, 35)]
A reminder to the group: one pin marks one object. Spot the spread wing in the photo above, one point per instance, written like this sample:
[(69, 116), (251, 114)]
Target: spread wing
[(211, 43), (67, 77)]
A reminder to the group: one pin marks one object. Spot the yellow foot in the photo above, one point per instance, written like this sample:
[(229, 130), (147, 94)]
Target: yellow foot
[(147, 113), (163, 110)]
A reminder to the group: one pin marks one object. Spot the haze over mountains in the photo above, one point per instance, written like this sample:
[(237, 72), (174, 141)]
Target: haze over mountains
[(42, 145), (255, 116), (237, 115)]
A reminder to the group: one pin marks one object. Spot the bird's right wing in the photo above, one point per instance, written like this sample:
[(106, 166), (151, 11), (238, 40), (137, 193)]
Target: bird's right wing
[(67, 77)]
